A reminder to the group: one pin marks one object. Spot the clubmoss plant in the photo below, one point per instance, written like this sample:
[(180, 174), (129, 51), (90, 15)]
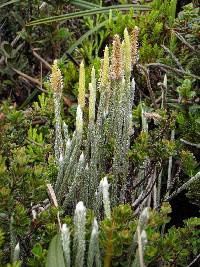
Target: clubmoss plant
[(124, 241), (81, 95), (104, 186), (79, 238), (65, 236), (140, 238), (109, 125), (56, 82), (93, 250), (16, 253)]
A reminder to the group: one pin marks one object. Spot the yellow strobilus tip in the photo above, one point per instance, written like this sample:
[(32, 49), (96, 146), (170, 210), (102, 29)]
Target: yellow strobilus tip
[(81, 90)]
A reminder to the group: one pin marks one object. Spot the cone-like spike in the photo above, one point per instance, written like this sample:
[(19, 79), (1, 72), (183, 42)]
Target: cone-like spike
[(144, 217), (82, 158), (116, 59), (81, 93), (134, 45), (123, 54), (93, 77), (92, 101), (105, 70), (56, 78), (16, 253), (127, 48)]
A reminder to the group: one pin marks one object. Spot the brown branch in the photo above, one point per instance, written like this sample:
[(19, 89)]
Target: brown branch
[(34, 142), (182, 39), (146, 73), (46, 64), (173, 57), (197, 257), (67, 101), (184, 186), (189, 143), (31, 79), (38, 84), (177, 71), (18, 37), (39, 121), (145, 195), (150, 172)]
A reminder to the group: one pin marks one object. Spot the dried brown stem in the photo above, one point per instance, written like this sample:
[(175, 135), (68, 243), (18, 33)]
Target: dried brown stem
[(184, 186), (146, 73), (195, 259), (45, 63), (31, 79), (145, 195), (169, 68), (182, 39), (173, 57), (34, 142)]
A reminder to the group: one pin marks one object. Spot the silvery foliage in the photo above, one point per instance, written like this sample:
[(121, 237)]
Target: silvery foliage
[(110, 125), (16, 253), (79, 235), (65, 237), (104, 186), (93, 250), (140, 239), (78, 257), (58, 131)]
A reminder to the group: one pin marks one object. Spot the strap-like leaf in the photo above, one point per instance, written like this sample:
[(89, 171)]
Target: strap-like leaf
[(88, 13), (86, 35), (9, 3), (83, 4)]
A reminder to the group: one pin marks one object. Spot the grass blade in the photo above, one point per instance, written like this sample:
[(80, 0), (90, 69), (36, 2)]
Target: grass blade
[(87, 34), (88, 13), (9, 3), (83, 4)]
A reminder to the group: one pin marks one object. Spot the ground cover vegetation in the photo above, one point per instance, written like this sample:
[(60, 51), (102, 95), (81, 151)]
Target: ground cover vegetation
[(100, 124)]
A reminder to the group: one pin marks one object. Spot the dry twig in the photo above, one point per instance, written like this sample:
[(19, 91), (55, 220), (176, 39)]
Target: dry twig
[(146, 73), (184, 186), (173, 57), (182, 39), (169, 68), (31, 79), (45, 63)]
